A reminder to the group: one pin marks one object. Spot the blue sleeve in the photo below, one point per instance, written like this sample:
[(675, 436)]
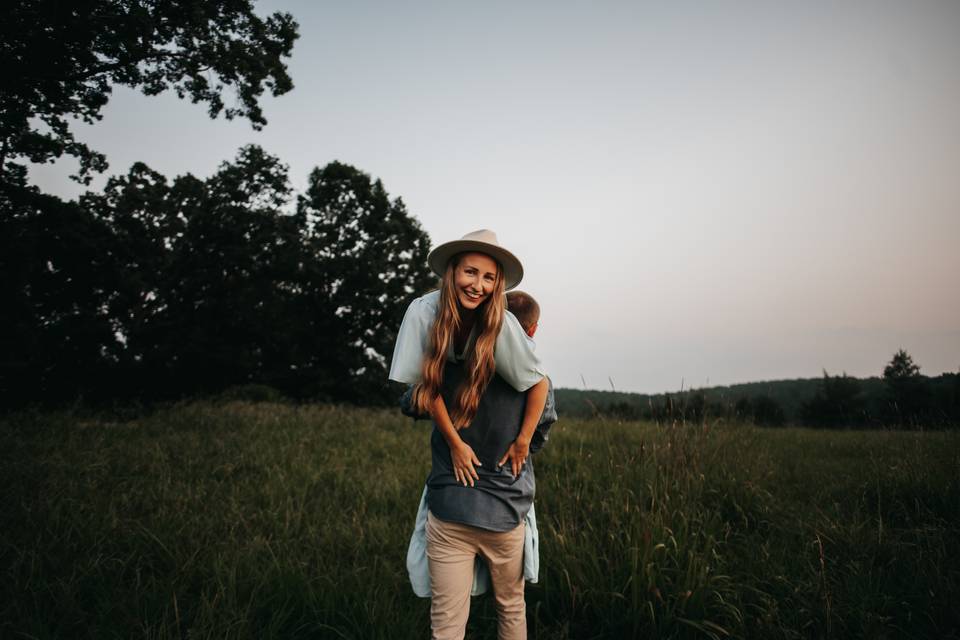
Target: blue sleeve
[(517, 362), (413, 340)]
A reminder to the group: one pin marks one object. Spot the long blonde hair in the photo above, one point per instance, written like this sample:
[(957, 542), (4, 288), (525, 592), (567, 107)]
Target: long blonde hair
[(480, 362)]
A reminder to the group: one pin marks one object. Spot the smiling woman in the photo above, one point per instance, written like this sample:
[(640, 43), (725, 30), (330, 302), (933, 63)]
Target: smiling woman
[(477, 505)]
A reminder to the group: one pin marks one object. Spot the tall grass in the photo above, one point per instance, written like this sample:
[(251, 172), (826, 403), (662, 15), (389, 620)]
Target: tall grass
[(267, 520)]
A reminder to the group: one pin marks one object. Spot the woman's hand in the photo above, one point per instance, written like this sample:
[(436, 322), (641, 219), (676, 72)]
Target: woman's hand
[(517, 454), (464, 460)]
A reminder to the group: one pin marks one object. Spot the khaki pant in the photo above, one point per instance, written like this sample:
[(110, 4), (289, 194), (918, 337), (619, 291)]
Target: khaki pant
[(451, 548)]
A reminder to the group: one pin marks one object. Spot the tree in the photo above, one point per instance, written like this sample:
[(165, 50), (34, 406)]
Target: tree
[(907, 392), (211, 270), (367, 261), (61, 60), (901, 367)]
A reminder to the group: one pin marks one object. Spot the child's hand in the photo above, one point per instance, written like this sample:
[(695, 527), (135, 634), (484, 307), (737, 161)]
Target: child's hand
[(464, 459), (517, 454)]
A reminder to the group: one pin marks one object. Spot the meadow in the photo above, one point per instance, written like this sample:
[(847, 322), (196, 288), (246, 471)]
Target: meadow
[(269, 520)]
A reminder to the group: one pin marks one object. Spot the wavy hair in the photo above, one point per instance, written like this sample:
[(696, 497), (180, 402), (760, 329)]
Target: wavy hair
[(480, 362)]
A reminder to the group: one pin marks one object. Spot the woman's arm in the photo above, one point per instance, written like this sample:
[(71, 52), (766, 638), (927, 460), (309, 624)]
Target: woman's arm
[(461, 454), (520, 449)]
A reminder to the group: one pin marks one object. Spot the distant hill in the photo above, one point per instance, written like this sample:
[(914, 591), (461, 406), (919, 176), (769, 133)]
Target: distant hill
[(788, 395)]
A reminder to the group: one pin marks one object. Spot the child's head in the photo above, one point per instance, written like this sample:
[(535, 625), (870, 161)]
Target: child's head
[(526, 309)]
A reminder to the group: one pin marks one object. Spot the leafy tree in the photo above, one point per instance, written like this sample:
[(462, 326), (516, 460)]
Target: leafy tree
[(367, 260), (210, 268), (61, 60), (901, 367), (907, 394)]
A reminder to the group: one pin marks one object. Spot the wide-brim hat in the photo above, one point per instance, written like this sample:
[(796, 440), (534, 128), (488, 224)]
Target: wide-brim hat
[(481, 241)]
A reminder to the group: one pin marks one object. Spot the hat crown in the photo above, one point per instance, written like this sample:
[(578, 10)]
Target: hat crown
[(482, 235)]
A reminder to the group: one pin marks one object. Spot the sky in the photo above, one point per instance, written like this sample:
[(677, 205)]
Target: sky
[(701, 193)]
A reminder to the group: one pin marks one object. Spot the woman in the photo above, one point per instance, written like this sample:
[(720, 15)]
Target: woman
[(474, 506)]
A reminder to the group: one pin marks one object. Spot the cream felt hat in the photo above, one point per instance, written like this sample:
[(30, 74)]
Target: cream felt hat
[(481, 241)]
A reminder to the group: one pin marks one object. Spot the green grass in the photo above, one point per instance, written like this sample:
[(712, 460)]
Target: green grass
[(267, 520)]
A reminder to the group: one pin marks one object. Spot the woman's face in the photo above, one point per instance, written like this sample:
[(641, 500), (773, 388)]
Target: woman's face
[(475, 276)]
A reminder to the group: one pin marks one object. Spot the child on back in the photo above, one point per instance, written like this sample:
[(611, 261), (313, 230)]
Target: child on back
[(527, 311)]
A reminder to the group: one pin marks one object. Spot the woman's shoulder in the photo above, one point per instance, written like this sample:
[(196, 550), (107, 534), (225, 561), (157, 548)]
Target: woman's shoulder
[(425, 306), (511, 323), (413, 338), (429, 300)]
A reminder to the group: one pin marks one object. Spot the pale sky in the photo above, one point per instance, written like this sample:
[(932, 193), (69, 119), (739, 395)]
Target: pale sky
[(701, 192)]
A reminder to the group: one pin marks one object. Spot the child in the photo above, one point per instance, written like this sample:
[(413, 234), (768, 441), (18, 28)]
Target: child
[(527, 312)]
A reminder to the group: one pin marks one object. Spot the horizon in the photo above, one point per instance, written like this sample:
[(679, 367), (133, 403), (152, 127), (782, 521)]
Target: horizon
[(684, 389)]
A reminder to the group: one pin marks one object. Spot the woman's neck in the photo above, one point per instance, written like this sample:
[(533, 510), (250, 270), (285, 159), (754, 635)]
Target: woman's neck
[(467, 317)]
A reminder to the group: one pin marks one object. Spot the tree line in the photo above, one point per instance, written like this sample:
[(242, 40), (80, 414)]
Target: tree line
[(159, 288), (901, 398)]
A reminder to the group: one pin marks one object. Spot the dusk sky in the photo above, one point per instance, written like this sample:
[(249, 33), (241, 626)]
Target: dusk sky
[(703, 192)]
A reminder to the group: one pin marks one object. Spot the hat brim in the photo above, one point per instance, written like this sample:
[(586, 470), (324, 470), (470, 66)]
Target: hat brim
[(512, 268)]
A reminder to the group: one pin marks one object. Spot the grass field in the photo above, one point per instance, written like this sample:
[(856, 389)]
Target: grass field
[(276, 521)]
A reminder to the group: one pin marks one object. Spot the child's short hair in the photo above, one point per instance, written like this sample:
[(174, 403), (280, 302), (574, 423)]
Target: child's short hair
[(524, 307)]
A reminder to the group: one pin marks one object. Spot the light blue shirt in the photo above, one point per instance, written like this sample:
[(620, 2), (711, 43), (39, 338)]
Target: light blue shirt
[(516, 361), (419, 569)]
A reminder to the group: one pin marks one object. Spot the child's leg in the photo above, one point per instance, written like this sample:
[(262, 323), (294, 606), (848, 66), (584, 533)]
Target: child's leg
[(451, 549), (503, 552)]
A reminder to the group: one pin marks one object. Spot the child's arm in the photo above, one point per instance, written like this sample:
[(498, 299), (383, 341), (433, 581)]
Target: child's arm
[(406, 405), (520, 449), (461, 454), (542, 433)]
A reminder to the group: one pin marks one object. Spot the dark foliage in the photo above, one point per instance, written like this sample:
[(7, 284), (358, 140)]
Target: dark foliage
[(157, 289), (58, 263), (366, 260), (828, 402), (907, 397), (839, 402), (62, 59), (762, 410)]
